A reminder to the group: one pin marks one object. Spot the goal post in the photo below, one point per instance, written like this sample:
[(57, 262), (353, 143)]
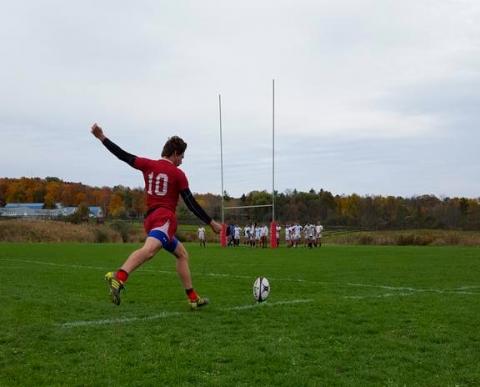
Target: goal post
[(223, 235), (273, 235), (273, 223)]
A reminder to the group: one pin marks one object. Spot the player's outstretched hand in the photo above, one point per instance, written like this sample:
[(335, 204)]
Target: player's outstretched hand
[(216, 227), (98, 132)]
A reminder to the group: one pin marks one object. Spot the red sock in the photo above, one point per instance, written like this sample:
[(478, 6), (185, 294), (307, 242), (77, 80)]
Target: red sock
[(121, 275), (192, 294)]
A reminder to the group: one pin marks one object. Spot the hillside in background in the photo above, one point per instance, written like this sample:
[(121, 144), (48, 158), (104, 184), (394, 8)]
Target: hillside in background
[(351, 211)]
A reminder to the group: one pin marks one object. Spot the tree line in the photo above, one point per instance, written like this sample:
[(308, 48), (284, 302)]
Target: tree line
[(372, 212)]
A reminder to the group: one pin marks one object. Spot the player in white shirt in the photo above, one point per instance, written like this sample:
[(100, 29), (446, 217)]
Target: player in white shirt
[(311, 235), (236, 235), (297, 235), (318, 236), (305, 234), (258, 236), (246, 235), (279, 228), (264, 236), (291, 236), (253, 234), (201, 236), (287, 235)]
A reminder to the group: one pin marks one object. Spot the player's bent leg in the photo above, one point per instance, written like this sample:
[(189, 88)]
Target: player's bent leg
[(139, 257), (184, 274), (183, 269)]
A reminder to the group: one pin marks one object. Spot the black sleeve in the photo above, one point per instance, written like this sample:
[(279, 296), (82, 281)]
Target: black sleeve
[(119, 152), (193, 206)]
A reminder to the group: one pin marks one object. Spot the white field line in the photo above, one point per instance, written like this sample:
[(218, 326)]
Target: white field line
[(100, 268), (467, 287), (266, 303), (80, 266), (459, 290), (125, 320), (385, 295), (413, 290)]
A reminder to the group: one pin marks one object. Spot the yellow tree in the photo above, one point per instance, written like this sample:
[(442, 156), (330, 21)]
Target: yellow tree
[(53, 193), (80, 197), (116, 207), (138, 201)]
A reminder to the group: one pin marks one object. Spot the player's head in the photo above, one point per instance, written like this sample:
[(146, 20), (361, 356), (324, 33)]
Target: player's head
[(174, 148)]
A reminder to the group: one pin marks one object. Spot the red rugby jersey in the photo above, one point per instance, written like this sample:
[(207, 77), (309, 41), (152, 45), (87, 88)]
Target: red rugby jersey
[(163, 182)]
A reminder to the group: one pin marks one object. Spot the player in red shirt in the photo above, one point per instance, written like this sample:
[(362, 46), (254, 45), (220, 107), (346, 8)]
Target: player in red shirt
[(164, 183)]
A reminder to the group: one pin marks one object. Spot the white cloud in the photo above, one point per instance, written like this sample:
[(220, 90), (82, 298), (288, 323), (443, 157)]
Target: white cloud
[(369, 70)]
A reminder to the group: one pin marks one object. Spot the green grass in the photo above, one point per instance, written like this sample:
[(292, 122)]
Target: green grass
[(338, 315)]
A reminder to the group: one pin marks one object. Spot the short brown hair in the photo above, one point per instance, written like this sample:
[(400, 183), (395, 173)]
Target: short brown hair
[(174, 144)]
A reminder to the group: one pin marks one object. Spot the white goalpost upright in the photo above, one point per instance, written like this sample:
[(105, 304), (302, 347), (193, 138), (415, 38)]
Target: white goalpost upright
[(221, 154), (273, 151), (273, 225)]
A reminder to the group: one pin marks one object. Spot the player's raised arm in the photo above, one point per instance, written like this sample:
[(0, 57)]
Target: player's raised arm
[(199, 212), (97, 131)]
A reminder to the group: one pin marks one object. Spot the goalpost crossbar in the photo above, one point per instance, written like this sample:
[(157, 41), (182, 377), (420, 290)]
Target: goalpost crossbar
[(256, 206)]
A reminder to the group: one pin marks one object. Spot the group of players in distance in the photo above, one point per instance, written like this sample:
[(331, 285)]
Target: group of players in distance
[(257, 235), (312, 235)]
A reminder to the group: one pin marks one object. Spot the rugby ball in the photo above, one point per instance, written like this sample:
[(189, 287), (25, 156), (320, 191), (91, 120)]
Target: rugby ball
[(261, 289)]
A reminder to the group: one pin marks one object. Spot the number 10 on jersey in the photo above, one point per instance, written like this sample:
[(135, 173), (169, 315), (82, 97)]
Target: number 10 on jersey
[(161, 184)]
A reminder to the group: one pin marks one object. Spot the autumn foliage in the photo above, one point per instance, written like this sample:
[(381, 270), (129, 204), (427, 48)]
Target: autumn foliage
[(118, 201), (352, 211)]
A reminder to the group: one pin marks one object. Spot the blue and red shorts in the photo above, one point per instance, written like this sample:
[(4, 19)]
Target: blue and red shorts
[(161, 224)]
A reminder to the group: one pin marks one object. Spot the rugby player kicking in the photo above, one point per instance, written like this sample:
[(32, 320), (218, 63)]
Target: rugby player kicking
[(164, 183)]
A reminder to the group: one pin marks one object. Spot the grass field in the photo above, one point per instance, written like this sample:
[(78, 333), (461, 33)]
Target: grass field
[(338, 315)]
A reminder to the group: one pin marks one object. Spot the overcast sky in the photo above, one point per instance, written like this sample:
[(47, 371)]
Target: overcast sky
[(372, 97)]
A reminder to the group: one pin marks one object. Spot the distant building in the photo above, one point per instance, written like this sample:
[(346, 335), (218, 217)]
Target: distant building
[(36, 210), (33, 206)]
